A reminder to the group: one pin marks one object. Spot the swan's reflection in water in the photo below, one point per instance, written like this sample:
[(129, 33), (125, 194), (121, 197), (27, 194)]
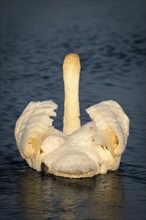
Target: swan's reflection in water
[(58, 198)]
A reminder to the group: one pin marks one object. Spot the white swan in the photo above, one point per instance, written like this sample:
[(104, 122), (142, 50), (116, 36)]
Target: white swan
[(77, 152)]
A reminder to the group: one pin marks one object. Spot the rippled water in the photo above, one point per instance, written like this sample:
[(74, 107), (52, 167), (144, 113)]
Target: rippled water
[(110, 38)]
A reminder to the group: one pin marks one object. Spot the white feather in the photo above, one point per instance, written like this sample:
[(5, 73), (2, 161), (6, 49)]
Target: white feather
[(85, 151), (94, 148)]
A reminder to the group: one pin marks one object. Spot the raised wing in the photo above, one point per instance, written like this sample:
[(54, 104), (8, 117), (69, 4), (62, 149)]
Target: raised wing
[(33, 126), (112, 125)]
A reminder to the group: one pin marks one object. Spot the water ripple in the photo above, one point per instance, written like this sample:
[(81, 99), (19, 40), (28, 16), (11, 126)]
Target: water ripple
[(110, 39)]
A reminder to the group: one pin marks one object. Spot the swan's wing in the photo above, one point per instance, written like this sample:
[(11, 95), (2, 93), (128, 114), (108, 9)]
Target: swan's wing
[(112, 125), (33, 126)]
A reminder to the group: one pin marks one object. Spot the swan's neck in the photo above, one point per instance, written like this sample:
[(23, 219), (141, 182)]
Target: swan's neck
[(71, 75)]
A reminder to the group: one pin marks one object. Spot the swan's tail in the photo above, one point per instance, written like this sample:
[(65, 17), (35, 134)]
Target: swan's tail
[(33, 126), (112, 125)]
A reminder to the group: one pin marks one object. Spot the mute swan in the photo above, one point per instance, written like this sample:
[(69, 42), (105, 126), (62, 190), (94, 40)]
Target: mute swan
[(77, 152)]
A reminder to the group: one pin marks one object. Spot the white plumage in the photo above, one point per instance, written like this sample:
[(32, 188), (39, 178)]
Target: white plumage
[(94, 148)]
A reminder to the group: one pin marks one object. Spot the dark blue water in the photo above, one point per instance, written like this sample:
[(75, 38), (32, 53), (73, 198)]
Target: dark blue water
[(110, 37)]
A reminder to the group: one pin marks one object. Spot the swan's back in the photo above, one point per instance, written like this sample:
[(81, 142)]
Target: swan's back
[(94, 148)]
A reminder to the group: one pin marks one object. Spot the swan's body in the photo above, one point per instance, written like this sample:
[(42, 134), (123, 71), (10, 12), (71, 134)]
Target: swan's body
[(76, 152)]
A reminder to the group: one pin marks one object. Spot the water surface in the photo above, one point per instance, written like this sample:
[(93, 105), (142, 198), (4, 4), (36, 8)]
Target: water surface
[(109, 37)]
